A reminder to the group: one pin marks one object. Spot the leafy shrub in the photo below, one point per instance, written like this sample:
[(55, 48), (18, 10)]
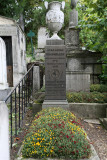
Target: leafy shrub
[(56, 133), (84, 97), (98, 88)]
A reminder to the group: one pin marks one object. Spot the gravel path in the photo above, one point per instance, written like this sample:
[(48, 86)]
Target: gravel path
[(98, 137)]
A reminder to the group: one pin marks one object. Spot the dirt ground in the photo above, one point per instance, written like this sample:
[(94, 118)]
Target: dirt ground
[(96, 133), (98, 137)]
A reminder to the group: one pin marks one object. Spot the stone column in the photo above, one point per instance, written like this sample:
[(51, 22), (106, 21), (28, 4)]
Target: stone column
[(55, 74), (36, 79), (3, 66)]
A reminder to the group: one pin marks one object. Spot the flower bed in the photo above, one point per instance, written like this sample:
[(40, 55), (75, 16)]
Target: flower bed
[(56, 133)]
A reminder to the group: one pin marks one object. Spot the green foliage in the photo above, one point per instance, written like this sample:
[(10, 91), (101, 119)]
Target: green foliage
[(84, 97), (7, 8), (56, 133), (98, 88), (93, 22)]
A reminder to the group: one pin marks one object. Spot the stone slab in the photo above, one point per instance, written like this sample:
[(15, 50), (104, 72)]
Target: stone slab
[(93, 121), (77, 81), (55, 70), (55, 103), (89, 110)]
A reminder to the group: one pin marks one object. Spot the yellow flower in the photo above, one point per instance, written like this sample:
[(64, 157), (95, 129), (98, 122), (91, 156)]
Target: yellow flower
[(38, 144), (51, 150)]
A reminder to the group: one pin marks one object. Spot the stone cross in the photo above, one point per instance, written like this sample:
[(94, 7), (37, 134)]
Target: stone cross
[(3, 68)]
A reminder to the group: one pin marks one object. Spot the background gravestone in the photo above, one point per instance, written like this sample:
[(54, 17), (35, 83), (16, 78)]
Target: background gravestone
[(43, 35), (83, 68)]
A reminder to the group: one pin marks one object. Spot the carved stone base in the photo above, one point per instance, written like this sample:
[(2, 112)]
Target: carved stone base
[(55, 103)]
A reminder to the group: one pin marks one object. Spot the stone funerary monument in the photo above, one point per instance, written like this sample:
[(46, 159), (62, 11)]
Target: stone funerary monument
[(55, 59), (14, 38), (83, 67)]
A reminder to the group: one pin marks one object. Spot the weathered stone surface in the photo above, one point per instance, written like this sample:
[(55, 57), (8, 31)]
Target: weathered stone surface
[(84, 62), (89, 110), (72, 38), (4, 93), (78, 81), (4, 132), (43, 35), (55, 71), (14, 37), (8, 30), (56, 103), (36, 79), (6, 21), (93, 121), (3, 68), (73, 22)]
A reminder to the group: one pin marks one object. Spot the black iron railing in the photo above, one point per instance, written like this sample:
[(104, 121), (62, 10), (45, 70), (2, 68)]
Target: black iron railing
[(17, 101)]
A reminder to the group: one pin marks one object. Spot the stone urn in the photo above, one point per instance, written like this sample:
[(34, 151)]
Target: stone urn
[(55, 17)]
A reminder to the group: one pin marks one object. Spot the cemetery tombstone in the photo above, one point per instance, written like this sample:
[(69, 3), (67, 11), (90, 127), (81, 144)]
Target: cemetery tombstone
[(43, 35), (4, 90), (3, 70), (55, 74), (55, 59)]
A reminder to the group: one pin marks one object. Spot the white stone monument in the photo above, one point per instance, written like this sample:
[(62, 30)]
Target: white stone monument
[(3, 69), (4, 132), (43, 35)]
